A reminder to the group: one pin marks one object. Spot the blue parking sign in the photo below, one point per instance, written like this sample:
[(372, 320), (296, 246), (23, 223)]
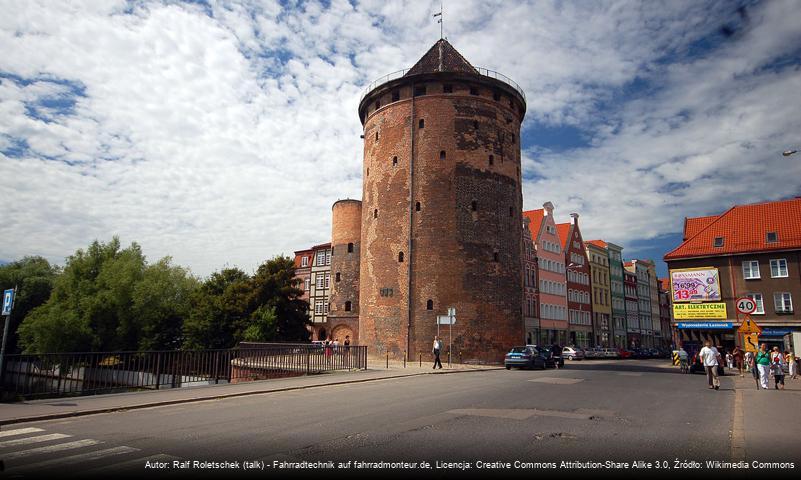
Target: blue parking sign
[(8, 301)]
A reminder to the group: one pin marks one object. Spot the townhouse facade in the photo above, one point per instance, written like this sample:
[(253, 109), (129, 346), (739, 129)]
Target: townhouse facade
[(320, 289), (633, 333), (617, 293), (530, 312), (641, 271), (577, 274), (601, 298)]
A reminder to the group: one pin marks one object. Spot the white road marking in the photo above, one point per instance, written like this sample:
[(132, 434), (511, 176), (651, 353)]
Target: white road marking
[(51, 448), (84, 457), (38, 439), (557, 380), (135, 462), (19, 431)]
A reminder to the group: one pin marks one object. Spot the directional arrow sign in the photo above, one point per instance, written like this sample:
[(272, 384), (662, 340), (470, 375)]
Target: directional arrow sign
[(751, 342), (749, 326)]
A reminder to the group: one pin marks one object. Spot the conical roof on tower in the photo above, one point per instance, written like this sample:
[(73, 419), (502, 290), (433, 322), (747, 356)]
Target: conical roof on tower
[(441, 57)]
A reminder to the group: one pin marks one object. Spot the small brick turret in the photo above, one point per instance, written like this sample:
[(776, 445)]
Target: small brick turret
[(343, 316)]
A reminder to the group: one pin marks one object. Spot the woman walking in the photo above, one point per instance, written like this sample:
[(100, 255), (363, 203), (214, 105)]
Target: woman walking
[(738, 359), (777, 368), (762, 361), (750, 363), (789, 358)]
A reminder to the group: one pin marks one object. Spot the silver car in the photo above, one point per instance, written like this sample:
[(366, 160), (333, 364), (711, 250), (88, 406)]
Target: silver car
[(573, 353)]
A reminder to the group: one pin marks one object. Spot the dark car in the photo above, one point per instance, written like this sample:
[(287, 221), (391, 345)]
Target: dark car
[(524, 357), (552, 360)]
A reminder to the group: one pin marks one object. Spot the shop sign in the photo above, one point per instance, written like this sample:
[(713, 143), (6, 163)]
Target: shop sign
[(698, 311), (695, 285), (704, 325)]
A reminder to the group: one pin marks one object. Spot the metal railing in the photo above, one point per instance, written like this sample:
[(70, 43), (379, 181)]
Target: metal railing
[(481, 71), (67, 374)]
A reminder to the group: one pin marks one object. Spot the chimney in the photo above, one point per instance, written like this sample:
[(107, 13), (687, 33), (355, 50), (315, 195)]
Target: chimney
[(548, 206), (575, 218)]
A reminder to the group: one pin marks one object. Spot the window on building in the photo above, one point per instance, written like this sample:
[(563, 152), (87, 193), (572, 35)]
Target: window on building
[(511, 211), (347, 306), (320, 257), (368, 171), (417, 206), (421, 123), (327, 307), (376, 136), (442, 154), (718, 242), (430, 304), (304, 261), (327, 280), (419, 90), (328, 257), (319, 280), (772, 237), (307, 284), (338, 277), (375, 213), (778, 268), (495, 256), (474, 206), (350, 248), (447, 88), (783, 302), (475, 124), (395, 95), (491, 159), (400, 256), (318, 307), (757, 298), (394, 161), (750, 269)]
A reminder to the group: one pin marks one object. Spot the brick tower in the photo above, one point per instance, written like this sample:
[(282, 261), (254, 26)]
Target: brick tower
[(343, 316), (441, 216)]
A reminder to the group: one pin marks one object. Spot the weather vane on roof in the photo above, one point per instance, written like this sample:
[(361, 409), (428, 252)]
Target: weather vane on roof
[(439, 20)]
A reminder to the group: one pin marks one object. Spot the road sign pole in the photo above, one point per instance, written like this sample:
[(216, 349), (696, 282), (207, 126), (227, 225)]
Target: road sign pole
[(450, 338), (5, 334)]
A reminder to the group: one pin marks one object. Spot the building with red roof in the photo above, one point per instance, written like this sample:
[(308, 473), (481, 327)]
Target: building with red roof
[(579, 291), (755, 250)]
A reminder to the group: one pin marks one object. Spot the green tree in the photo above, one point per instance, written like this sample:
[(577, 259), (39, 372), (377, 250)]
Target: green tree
[(220, 311), (161, 302), (34, 278), (276, 287)]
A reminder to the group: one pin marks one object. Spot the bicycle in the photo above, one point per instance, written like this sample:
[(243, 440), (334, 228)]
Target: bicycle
[(684, 366)]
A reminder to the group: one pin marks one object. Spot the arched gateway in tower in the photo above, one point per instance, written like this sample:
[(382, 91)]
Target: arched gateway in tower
[(441, 209)]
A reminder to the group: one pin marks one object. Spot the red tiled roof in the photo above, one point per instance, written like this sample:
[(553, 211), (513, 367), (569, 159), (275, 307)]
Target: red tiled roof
[(744, 229), (563, 229), (535, 216), (322, 245), (598, 243), (664, 283), (694, 225), (441, 57)]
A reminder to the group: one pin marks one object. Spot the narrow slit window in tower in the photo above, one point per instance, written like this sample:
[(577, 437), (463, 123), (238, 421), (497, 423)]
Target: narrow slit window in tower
[(375, 213), (475, 124), (430, 304), (491, 159), (442, 154), (368, 171), (400, 257), (474, 206), (376, 136), (511, 211), (495, 256), (338, 277), (421, 123), (417, 206), (350, 248), (394, 160), (347, 306)]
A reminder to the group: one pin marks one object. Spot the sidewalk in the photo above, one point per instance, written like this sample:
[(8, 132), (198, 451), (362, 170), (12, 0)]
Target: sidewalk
[(52, 408)]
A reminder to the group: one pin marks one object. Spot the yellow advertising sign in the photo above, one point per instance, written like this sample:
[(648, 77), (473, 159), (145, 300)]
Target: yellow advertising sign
[(695, 311), (751, 342)]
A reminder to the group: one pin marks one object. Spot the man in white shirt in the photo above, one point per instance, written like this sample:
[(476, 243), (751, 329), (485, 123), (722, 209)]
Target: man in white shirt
[(709, 358), (436, 350)]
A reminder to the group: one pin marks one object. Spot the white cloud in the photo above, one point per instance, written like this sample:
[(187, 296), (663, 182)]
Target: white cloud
[(225, 138)]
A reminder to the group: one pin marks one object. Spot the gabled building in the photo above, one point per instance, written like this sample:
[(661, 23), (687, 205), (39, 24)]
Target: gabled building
[(303, 262), (754, 251), (633, 333), (617, 292), (320, 290), (530, 312), (640, 269), (601, 297), (668, 339), (552, 292), (579, 306)]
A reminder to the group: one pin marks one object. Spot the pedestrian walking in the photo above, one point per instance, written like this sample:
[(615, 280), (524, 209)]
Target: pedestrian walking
[(329, 349), (750, 363), (436, 350), (710, 358), (777, 368), (683, 358), (729, 360), (792, 365), (738, 359), (762, 360)]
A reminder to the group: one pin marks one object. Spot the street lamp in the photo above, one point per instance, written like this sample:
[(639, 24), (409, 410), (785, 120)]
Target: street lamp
[(787, 153)]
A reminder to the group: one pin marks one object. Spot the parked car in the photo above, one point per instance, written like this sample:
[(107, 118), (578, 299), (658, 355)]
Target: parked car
[(624, 354), (552, 360), (524, 357), (596, 352), (572, 353)]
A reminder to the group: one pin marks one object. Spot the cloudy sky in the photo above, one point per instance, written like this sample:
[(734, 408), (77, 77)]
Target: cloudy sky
[(220, 133)]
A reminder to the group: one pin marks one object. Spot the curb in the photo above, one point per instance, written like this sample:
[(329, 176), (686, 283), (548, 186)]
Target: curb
[(163, 403)]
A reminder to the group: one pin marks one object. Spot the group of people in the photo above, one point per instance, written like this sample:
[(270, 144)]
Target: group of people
[(332, 346), (763, 364)]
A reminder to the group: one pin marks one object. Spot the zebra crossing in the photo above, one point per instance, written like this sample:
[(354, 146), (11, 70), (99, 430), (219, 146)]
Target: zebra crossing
[(33, 449)]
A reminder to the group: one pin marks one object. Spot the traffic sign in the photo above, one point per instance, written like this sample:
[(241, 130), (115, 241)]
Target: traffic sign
[(8, 301), (451, 311), (749, 326), (751, 342), (745, 305), (445, 320)]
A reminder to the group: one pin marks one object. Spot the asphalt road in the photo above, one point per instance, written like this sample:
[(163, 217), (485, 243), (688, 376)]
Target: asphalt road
[(589, 411)]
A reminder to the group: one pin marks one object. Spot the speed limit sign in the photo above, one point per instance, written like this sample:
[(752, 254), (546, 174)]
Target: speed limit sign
[(746, 305)]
